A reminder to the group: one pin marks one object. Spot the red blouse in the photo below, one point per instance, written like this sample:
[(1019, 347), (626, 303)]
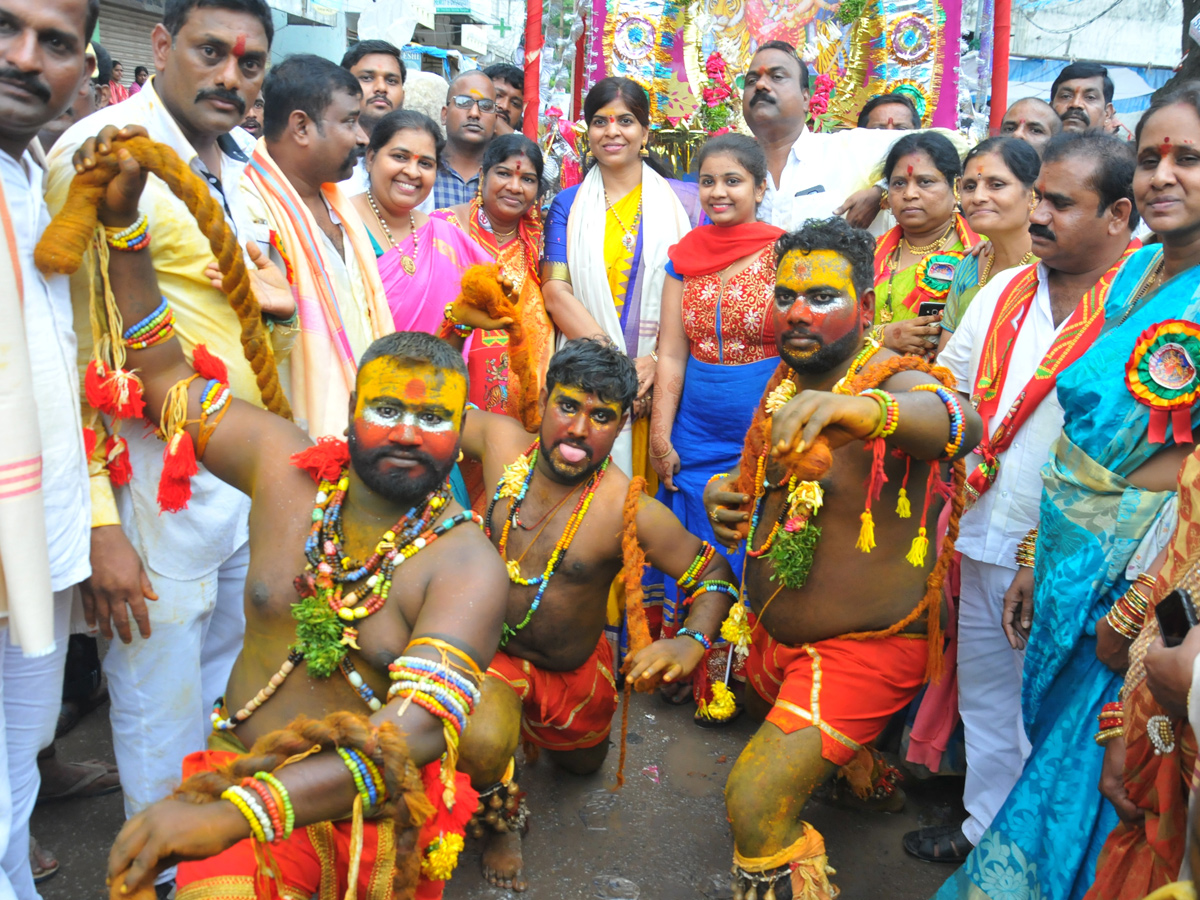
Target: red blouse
[(733, 327)]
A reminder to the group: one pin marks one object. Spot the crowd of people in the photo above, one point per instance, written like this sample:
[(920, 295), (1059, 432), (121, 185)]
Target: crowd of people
[(277, 332)]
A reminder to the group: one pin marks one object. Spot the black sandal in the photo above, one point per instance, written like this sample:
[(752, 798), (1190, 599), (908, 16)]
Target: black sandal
[(939, 844)]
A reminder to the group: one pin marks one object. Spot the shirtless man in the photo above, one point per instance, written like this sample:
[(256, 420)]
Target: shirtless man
[(552, 683), (824, 696), (405, 417)]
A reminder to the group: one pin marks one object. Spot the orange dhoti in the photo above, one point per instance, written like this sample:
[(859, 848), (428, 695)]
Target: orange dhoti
[(562, 710), (315, 861), (847, 689)]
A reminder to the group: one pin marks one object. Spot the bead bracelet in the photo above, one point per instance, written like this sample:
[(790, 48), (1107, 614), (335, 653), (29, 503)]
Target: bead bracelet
[(366, 787), (958, 427), (696, 636), (135, 237), (285, 799), (715, 586), (250, 806), (691, 577), (157, 327), (269, 804), (889, 413)]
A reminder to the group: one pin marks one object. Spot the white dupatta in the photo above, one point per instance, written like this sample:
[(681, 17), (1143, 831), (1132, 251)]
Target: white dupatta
[(664, 222)]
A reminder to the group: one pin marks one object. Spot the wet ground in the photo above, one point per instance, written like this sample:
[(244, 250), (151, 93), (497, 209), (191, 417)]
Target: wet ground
[(662, 837)]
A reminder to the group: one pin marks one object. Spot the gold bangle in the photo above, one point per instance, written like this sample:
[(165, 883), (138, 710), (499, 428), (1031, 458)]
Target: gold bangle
[(555, 271), (653, 455), (1108, 734)]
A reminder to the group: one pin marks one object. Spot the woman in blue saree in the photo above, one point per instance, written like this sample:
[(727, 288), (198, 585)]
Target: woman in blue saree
[(1104, 488)]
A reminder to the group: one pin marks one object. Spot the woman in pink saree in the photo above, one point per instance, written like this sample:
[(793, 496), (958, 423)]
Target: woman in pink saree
[(420, 259)]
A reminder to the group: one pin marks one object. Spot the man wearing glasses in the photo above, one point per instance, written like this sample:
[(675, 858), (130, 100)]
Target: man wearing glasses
[(469, 119)]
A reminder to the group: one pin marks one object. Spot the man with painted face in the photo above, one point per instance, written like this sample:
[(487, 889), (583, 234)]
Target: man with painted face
[(1033, 121), (210, 58), (307, 225), (827, 674), (558, 511), (1082, 95), (317, 645), (469, 118)]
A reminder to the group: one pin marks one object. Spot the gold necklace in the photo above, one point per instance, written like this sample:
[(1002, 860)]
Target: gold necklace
[(1152, 281), (630, 238), (987, 268), (408, 263), (927, 248)]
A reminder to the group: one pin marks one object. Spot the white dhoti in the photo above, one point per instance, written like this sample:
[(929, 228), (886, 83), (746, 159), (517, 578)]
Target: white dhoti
[(989, 695)]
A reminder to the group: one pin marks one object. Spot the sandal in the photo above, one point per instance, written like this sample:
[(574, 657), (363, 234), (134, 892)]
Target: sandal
[(938, 843), (98, 779), (43, 865)]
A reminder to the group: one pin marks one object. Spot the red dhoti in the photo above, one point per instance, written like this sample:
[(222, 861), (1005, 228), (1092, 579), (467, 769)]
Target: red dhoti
[(315, 861), (562, 710), (847, 689)]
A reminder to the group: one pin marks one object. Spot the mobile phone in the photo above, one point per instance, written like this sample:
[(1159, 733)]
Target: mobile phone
[(1176, 614), (931, 308)]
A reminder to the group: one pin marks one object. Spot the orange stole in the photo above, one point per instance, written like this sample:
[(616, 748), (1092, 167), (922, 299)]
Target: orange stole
[(313, 862)]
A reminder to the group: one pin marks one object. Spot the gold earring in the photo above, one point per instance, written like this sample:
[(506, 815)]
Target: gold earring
[(957, 198), (644, 152), (1033, 201), (460, 456)]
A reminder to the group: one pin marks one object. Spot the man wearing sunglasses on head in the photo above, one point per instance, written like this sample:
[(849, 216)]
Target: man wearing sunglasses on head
[(469, 119)]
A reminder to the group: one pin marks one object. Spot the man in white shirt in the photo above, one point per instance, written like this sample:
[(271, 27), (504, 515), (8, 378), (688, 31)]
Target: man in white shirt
[(42, 67), (210, 61), (1026, 325), (809, 176)]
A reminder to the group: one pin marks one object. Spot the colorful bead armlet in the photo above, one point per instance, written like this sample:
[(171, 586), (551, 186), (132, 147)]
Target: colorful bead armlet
[(688, 581), (269, 804), (696, 636), (156, 328), (135, 237), (958, 425), (1027, 549), (285, 799), (889, 413), (363, 780), (1112, 723)]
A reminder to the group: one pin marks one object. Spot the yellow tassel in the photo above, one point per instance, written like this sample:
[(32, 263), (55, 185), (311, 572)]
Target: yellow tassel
[(903, 507), (920, 546), (441, 856), (866, 535), (723, 704)]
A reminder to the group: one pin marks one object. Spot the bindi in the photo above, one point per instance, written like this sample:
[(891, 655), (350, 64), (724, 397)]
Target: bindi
[(415, 389), (239, 46), (891, 121), (1165, 147), (910, 171)]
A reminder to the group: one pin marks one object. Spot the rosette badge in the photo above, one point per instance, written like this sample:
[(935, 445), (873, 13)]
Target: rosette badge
[(1161, 373)]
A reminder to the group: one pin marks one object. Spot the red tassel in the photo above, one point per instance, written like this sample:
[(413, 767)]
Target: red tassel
[(119, 470), (89, 442), (875, 483), (324, 460), (209, 366), (94, 385), (179, 465), (125, 395)]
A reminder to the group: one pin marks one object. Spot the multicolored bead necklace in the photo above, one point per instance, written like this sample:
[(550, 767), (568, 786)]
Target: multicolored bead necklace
[(509, 486), (323, 615)]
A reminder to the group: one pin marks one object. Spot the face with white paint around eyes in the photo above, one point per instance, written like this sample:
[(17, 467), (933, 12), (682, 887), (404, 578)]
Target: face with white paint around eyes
[(404, 429)]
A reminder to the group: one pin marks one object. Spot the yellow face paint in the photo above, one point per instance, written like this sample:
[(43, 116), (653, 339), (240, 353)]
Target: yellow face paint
[(578, 429), (801, 271)]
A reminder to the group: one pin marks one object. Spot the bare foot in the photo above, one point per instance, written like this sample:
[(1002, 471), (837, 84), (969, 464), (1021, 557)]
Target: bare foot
[(502, 861)]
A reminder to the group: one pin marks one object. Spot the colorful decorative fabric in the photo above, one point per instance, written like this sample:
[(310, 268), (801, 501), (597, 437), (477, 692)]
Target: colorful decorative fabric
[(1141, 857), (562, 710), (1091, 522), (835, 686), (732, 325)]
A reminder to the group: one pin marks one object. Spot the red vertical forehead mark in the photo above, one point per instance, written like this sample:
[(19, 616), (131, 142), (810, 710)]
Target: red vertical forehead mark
[(1020, 121), (1165, 147), (239, 46), (761, 71), (415, 389), (910, 171), (518, 165)]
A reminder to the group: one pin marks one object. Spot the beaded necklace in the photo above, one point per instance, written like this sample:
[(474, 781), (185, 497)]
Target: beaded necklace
[(323, 614), (509, 486), (409, 263)]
